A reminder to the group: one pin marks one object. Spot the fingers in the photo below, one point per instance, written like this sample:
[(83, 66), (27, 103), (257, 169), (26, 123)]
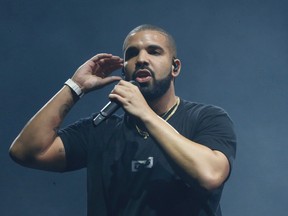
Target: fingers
[(130, 97), (125, 92), (109, 79), (105, 64), (106, 59), (96, 72), (124, 86)]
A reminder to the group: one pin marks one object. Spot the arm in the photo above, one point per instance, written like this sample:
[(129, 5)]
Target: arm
[(210, 168), (37, 145)]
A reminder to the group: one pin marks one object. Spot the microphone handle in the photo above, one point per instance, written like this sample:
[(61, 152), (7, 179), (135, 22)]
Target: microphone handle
[(109, 109)]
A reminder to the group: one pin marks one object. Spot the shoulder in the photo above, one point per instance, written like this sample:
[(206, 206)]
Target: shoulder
[(205, 117), (85, 126), (199, 110), (212, 126)]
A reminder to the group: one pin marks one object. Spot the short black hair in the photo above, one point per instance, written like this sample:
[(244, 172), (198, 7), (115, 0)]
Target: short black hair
[(144, 27)]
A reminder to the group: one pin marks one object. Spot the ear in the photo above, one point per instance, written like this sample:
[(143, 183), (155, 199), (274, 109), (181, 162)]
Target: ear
[(176, 67)]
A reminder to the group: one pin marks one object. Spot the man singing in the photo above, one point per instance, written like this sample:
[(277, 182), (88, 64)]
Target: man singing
[(164, 156)]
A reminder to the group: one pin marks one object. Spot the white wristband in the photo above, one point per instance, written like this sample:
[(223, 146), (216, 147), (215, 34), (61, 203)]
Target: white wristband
[(74, 87)]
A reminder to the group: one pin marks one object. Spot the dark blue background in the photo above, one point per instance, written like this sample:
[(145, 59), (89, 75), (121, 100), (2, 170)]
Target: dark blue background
[(234, 55)]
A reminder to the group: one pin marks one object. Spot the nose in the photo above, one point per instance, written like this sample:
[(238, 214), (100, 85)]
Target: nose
[(142, 59)]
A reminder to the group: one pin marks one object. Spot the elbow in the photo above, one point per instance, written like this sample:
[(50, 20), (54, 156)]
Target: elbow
[(14, 152), (18, 155), (211, 184), (214, 177), (31, 158), (213, 181)]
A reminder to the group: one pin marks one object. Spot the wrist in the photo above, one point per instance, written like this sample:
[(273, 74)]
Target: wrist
[(75, 88)]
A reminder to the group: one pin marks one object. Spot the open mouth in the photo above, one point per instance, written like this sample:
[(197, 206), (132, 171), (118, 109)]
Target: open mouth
[(143, 76)]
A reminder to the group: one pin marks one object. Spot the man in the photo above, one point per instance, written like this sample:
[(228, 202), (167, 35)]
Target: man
[(165, 156)]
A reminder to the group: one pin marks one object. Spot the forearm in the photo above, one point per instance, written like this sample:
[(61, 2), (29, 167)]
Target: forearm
[(209, 168), (38, 145), (40, 132)]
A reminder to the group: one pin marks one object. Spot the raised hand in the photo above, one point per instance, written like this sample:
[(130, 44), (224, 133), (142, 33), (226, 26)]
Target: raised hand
[(95, 73)]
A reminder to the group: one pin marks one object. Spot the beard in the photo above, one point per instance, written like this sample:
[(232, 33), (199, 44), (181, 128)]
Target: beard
[(157, 88)]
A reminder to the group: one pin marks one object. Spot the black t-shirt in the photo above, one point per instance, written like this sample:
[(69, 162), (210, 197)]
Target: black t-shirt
[(132, 176)]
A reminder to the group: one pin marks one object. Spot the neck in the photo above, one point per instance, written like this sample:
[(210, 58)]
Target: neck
[(164, 103)]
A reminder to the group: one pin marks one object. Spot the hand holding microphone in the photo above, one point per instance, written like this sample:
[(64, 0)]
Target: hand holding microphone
[(110, 108)]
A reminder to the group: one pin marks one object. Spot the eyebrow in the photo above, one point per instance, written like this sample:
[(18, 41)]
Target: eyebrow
[(155, 47), (152, 46)]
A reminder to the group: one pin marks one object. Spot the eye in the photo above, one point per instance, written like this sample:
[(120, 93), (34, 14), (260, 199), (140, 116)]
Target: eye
[(155, 50), (131, 52)]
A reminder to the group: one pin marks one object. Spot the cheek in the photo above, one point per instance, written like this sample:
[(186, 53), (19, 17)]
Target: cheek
[(162, 64), (128, 65), (163, 70), (127, 70)]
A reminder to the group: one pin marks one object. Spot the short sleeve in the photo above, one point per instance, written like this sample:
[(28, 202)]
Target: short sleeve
[(215, 130), (75, 139)]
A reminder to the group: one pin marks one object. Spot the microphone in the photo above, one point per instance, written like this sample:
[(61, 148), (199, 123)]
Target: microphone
[(109, 109)]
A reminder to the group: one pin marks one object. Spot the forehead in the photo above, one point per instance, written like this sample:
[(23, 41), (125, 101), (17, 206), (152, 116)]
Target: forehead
[(146, 38)]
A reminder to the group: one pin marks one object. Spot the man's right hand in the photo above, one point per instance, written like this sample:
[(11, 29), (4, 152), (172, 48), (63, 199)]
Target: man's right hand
[(95, 73), (38, 144)]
